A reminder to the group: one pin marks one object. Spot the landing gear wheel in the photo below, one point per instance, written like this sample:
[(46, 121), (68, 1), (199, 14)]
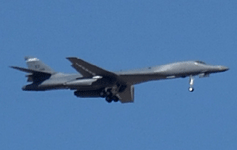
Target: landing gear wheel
[(191, 89), (115, 98), (108, 99), (191, 82)]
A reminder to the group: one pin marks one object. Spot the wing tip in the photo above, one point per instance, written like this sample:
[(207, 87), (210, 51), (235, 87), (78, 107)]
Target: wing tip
[(71, 58), (14, 67)]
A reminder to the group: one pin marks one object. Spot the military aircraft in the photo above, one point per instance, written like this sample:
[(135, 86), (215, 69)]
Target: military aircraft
[(93, 81)]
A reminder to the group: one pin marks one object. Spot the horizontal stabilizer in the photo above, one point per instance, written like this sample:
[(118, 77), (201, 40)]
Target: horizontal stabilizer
[(87, 69), (29, 70), (34, 76)]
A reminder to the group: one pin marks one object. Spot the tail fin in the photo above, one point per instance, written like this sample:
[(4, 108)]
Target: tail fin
[(35, 64), (37, 70)]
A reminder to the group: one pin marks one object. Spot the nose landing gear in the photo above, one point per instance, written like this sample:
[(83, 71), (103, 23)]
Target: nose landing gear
[(191, 89), (191, 82)]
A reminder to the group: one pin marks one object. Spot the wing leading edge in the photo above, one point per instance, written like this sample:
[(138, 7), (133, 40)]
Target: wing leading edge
[(87, 69)]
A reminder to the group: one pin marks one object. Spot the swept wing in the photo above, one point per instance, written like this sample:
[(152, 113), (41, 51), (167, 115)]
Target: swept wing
[(87, 69)]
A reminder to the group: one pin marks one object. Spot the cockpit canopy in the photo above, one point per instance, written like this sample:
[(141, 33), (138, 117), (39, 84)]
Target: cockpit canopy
[(200, 62)]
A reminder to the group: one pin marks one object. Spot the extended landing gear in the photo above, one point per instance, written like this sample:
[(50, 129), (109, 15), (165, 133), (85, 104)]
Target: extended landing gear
[(191, 82), (110, 99), (191, 89), (109, 96)]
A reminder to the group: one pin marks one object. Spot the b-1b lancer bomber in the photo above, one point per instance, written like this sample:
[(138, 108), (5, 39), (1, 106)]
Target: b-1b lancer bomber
[(93, 81)]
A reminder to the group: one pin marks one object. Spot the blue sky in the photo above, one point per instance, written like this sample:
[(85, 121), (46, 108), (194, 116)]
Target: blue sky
[(119, 35)]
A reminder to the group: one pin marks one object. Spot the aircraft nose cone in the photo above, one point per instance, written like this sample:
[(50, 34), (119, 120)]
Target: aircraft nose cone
[(223, 68)]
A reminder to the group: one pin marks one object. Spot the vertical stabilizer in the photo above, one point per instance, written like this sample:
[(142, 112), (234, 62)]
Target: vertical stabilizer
[(35, 64)]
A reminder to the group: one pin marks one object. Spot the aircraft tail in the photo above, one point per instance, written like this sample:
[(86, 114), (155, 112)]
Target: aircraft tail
[(37, 70), (36, 65)]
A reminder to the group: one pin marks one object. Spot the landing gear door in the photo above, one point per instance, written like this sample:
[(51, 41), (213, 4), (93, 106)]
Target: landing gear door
[(127, 96)]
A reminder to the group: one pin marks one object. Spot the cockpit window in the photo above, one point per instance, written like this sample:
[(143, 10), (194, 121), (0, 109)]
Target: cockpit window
[(200, 62)]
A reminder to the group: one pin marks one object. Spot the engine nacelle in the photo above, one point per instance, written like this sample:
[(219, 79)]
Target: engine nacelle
[(93, 93)]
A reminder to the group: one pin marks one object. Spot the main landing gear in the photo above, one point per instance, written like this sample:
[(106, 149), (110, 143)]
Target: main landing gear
[(109, 96), (191, 82), (113, 98)]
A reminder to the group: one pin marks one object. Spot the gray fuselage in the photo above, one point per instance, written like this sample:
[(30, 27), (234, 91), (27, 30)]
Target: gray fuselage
[(93, 81), (168, 71)]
